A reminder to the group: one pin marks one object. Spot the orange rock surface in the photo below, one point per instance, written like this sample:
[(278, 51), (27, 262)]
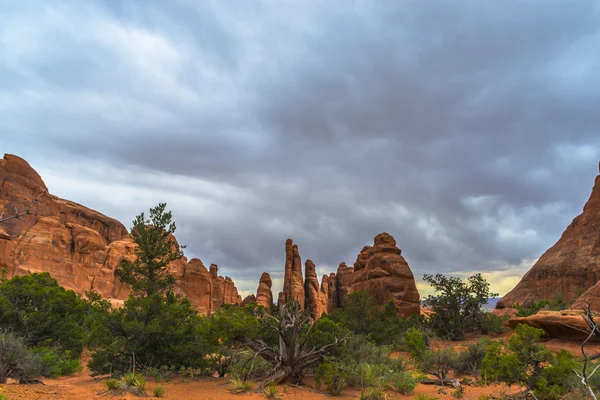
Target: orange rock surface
[(82, 248), (570, 268), (567, 324)]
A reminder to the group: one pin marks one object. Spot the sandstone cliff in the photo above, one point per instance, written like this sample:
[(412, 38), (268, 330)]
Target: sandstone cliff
[(264, 295), (571, 267), (81, 248)]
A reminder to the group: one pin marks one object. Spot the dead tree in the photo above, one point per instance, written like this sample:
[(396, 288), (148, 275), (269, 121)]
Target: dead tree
[(292, 358), (28, 211), (595, 331)]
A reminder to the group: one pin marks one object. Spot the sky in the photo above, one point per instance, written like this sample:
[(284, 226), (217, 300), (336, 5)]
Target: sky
[(468, 130)]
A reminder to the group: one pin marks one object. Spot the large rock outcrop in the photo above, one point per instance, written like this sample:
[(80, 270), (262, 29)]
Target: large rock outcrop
[(568, 324), (570, 268), (293, 283), (264, 295), (379, 269), (382, 271), (82, 248)]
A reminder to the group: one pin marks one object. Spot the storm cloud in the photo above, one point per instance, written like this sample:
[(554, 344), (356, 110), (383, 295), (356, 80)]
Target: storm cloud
[(469, 130)]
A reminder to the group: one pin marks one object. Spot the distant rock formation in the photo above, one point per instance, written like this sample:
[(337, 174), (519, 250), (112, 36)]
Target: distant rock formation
[(570, 268), (82, 248), (264, 296), (293, 284), (379, 270), (248, 299), (383, 272), (567, 324)]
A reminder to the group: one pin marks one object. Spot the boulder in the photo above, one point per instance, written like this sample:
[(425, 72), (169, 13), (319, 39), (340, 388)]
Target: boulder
[(568, 324), (382, 271)]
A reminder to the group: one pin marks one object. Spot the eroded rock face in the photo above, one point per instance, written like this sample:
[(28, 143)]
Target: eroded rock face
[(82, 248), (248, 299), (570, 267), (344, 278), (316, 301), (264, 295), (567, 324), (293, 283), (382, 271)]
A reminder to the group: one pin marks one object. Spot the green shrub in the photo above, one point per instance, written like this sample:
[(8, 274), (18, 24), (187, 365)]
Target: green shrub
[(241, 386), (414, 342), (56, 362), (373, 393), (246, 366), (439, 363), (16, 360), (159, 391), (401, 381), (334, 378), (492, 324), (111, 384), (469, 361), (270, 392), (425, 397)]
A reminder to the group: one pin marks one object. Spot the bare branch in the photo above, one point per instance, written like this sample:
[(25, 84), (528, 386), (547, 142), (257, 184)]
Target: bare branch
[(27, 211)]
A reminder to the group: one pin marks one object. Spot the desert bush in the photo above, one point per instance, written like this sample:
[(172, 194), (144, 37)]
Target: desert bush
[(439, 363), (111, 384), (333, 376), (525, 362), (373, 393), (457, 305), (16, 360), (401, 381), (414, 341), (37, 309), (246, 366), (159, 391), (469, 361), (270, 392), (56, 362), (425, 397), (492, 324), (241, 386), (531, 307)]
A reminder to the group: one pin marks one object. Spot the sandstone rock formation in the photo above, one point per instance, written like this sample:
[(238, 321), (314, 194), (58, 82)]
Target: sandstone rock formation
[(81, 248), (293, 286), (248, 299), (567, 324), (264, 296), (571, 267), (343, 282), (379, 269), (316, 301)]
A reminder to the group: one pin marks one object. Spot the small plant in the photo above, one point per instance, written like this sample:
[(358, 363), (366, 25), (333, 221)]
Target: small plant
[(159, 391), (415, 343), (402, 381), (3, 397), (334, 378), (241, 386), (373, 393), (134, 383), (425, 397), (111, 384), (458, 393), (270, 392)]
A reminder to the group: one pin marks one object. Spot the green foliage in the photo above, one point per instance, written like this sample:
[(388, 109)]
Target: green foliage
[(400, 381), (373, 393), (16, 360), (333, 376), (532, 307), (457, 305), (231, 323), (414, 342), (325, 331), (492, 324), (425, 397), (111, 384), (159, 391), (156, 247), (525, 362), (246, 366), (36, 308), (439, 363), (270, 392), (241, 386), (359, 312), (56, 362), (469, 361)]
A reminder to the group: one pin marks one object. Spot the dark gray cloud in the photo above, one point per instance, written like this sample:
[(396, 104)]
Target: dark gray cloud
[(468, 130)]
